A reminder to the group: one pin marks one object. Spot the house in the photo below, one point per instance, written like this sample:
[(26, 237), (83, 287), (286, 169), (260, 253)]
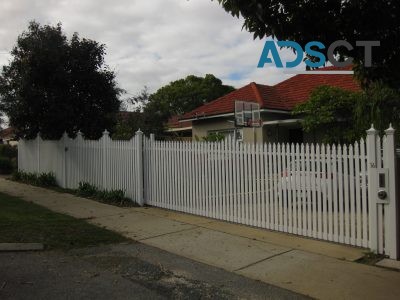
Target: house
[(276, 124), (7, 136)]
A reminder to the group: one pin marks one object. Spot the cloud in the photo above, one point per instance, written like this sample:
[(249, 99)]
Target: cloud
[(150, 42)]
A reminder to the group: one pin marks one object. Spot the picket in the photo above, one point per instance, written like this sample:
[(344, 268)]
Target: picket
[(314, 190)]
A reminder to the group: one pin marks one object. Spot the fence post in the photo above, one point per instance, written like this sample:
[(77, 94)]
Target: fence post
[(106, 143), (372, 188), (139, 162), (391, 221), (38, 138), (64, 166)]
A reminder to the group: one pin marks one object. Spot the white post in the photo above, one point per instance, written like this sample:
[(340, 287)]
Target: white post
[(38, 138), (64, 166), (391, 221), (372, 188), (106, 142), (139, 163)]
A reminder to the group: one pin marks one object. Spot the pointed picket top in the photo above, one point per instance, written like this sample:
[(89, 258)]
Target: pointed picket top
[(390, 130), (65, 135), (372, 130)]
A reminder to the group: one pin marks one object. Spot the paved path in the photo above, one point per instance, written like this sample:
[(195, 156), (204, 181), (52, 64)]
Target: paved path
[(318, 269)]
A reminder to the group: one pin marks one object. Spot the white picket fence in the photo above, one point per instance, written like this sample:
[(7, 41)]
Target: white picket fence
[(310, 190), (105, 163), (326, 192)]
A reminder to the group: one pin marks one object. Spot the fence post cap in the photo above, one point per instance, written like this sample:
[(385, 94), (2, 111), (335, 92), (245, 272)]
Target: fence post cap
[(139, 131), (79, 133), (106, 132), (390, 130), (372, 130), (65, 134)]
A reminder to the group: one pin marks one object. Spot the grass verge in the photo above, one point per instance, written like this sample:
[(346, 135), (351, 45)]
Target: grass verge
[(22, 221)]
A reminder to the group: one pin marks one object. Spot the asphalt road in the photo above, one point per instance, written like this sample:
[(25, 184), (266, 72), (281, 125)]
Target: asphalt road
[(124, 271)]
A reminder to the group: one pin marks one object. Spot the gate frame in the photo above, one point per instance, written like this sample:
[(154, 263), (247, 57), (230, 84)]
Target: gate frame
[(391, 228)]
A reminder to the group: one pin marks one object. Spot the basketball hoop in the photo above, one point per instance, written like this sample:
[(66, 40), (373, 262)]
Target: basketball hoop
[(247, 114), (254, 123)]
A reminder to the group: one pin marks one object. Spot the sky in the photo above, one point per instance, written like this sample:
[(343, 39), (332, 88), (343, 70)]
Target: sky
[(151, 42)]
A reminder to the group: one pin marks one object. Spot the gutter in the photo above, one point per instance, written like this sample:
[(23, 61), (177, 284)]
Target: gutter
[(232, 114)]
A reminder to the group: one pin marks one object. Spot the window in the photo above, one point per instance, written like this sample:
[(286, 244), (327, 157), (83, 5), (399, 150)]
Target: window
[(235, 134)]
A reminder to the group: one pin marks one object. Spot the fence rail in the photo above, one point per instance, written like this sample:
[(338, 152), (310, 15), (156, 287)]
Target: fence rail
[(326, 192), (310, 190)]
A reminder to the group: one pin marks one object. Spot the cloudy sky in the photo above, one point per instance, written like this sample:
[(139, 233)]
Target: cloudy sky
[(150, 42)]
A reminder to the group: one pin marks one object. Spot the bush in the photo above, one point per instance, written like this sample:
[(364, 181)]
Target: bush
[(46, 179), (6, 165), (8, 151), (86, 189), (42, 179), (111, 196)]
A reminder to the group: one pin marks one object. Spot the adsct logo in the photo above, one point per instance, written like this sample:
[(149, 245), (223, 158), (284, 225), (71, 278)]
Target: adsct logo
[(270, 55)]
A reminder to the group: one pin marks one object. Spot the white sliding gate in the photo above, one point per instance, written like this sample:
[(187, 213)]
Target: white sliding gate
[(319, 191)]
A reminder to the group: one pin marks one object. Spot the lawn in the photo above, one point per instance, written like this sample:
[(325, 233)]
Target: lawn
[(22, 221)]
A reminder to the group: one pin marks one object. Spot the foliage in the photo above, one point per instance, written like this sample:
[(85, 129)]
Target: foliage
[(8, 151), (214, 137), (328, 21), (126, 129), (344, 116), (26, 222), (88, 190), (111, 196), (6, 165), (53, 84), (184, 95), (41, 179), (330, 110), (380, 106), (175, 98)]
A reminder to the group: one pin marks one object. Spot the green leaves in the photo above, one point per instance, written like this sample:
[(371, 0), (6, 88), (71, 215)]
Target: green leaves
[(176, 98), (303, 21), (53, 85), (341, 116), (330, 111)]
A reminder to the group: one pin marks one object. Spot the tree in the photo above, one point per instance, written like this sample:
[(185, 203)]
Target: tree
[(380, 105), (175, 98), (303, 21), (184, 95), (343, 116), (53, 85), (330, 111)]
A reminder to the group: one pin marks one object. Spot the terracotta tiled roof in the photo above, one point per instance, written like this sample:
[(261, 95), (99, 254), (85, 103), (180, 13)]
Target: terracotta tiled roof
[(173, 122), (7, 133), (282, 96)]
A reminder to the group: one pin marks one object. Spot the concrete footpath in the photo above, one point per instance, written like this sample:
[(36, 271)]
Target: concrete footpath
[(318, 269)]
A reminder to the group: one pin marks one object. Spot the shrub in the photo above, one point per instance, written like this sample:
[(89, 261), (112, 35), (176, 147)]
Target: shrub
[(86, 189), (46, 179), (8, 151), (111, 196), (6, 165), (42, 179)]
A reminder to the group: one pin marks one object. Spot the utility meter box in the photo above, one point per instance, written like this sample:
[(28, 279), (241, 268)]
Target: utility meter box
[(383, 186)]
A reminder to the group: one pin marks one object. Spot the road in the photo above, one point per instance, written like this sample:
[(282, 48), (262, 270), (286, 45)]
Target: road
[(124, 271)]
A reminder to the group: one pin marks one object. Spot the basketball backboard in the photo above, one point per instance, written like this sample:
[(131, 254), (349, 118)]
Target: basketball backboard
[(247, 114)]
